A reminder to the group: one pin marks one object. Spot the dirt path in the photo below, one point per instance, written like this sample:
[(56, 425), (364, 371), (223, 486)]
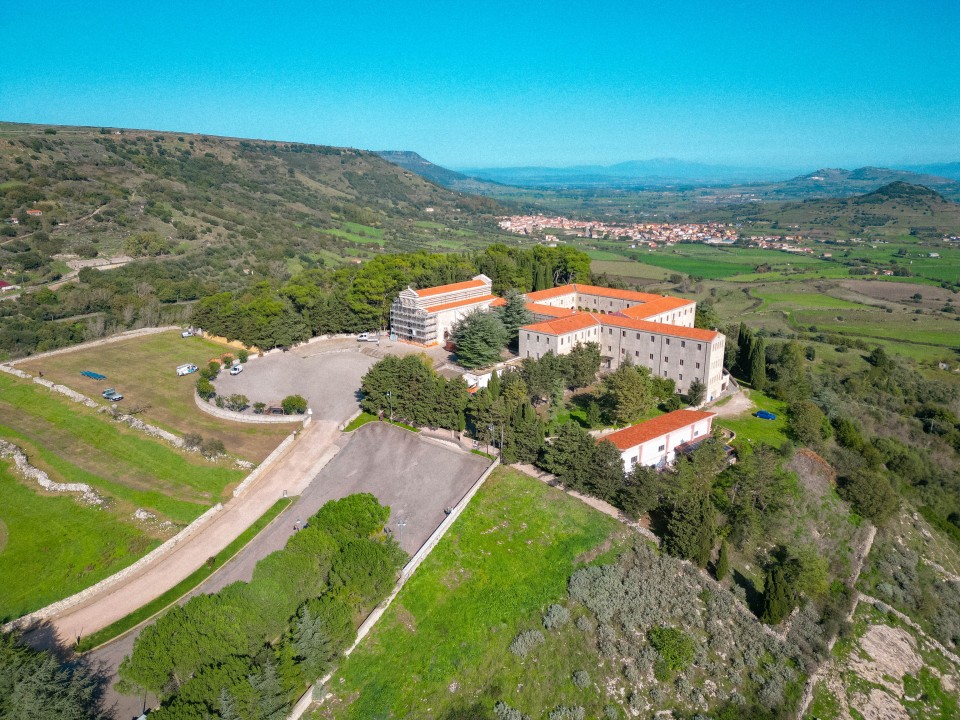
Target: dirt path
[(292, 472), (738, 404)]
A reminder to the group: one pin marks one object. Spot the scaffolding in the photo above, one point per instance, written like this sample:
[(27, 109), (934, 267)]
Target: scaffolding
[(409, 322)]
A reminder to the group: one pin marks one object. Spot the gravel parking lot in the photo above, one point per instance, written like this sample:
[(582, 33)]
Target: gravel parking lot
[(329, 378)]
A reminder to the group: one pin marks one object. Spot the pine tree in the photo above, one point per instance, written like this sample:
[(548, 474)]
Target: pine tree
[(515, 314), (493, 387), (271, 700), (723, 562)]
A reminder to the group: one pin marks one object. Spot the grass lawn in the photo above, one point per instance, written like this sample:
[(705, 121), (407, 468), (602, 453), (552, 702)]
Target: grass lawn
[(629, 269), (143, 369), (56, 546), (755, 430), (74, 443), (507, 557)]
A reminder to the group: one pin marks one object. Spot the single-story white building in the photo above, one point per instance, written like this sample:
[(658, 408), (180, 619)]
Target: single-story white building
[(654, 442)]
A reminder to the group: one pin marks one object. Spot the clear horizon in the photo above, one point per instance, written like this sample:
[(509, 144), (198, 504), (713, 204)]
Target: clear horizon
[(741, 84)]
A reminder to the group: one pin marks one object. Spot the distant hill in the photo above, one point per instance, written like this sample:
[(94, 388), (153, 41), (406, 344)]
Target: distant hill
[(215, 204), (442, 176), (897, 209), (948, 170), (655, 172)]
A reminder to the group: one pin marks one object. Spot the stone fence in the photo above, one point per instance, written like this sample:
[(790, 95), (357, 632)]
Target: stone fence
[(96, 343), (155, 554), (261, 468), (23, 466)]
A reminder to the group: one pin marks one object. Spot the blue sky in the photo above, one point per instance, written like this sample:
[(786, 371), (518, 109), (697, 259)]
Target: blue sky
[(508, 83)]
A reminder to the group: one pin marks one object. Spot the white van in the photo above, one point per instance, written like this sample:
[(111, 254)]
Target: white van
[(186, 333), (186, 369), (236, 369), (368, 337)]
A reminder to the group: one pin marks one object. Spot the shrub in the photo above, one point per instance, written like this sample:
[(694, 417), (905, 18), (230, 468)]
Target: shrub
[(214, 367), (525, 642), (583, 624), (205, 389), (212, 448), (555, 617), (259, 407), (294, 405), (243, 356), (191, 441), (581, 678), (505, 712), (237, 402), (674, 646), (226, 360), (221, 403), (565, 712)]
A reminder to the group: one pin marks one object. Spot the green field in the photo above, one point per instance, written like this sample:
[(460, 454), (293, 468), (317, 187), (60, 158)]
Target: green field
[(143, 369), (56, 546), (73, 443), (506, 558), (754, 430)]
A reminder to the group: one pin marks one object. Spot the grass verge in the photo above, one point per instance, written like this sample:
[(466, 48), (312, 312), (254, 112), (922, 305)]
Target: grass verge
[(168, 598), (359, 421)]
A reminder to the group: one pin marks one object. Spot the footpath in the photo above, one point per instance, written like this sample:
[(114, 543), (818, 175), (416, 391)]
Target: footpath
[(291, 472)]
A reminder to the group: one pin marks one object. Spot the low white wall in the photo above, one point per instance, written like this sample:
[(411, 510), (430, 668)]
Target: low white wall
[(225, 414), (158, 552), (268, 461)]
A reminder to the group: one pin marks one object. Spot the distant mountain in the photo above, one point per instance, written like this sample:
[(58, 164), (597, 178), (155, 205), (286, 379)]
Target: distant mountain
[(948, 170), (892, 210), (655, 172), (419, 165)]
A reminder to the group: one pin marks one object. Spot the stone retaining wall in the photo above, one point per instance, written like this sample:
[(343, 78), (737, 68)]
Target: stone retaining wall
[(96, 343), (225, 414), (270, 459), (23, 466), (58, 607)]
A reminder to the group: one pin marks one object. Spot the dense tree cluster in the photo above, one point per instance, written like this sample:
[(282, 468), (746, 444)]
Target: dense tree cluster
[(250, 649)]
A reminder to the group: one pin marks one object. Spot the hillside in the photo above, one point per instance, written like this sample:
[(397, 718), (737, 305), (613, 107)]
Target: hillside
[(897, 209), (442, 176), (248, 206), (831, 182)]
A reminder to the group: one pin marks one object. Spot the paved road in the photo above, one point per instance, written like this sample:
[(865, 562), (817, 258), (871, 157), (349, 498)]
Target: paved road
[(417, 478), (292, 472)]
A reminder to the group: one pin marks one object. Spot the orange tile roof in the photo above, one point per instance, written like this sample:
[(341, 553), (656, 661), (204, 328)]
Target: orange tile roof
[(550, 293), (642, 432), (655, 307), (564, 325), (460, 303), (659, 328), (453, 287), (499, 302), (557, 312), (641, 297)]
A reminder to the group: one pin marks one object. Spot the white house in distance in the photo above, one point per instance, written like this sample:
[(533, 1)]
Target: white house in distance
[(426, 316), (655, 442)]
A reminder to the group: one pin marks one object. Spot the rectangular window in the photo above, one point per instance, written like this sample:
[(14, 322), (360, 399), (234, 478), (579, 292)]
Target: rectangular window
[(660, 449), (636, 353), (609, 331), (698, 346), (696, 432), (609, 349), (666, 359), (668, 341), (698, 366), (623, 351), (681, 361), (653, 338), (638, 336), (651, 356), (624, 333), (681, 376), (683, 343)]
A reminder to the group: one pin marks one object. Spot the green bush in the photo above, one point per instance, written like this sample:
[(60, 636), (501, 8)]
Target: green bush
[(525, 642), (294, 405), (205, 388), (243, 355), (674, 647), (555, 617)]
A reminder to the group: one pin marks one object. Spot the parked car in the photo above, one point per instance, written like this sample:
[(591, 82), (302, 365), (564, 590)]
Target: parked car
[(765, 415), (186, 369), (112, 395), (236, 369), (186, 333), (368, 337)]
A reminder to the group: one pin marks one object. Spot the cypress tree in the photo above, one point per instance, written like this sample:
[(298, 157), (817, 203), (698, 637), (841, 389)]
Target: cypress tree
[(493, 387), (758, 364), (723, 562), (777, 597)]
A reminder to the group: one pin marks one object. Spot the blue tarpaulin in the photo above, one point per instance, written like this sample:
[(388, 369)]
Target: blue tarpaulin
[(93, 375)]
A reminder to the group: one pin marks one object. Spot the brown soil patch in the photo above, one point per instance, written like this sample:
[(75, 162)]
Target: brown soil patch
[(814, 472), (593, 554), (879, 706), (933, 297), (892, 655), (3, 535), (405, 617)]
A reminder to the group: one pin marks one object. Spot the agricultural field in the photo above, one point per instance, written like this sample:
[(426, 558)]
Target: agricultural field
[(59, 544), (63, 545), (144, 370)]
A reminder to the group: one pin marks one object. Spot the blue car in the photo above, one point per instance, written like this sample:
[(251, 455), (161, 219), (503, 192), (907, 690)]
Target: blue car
[(765, 415)]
